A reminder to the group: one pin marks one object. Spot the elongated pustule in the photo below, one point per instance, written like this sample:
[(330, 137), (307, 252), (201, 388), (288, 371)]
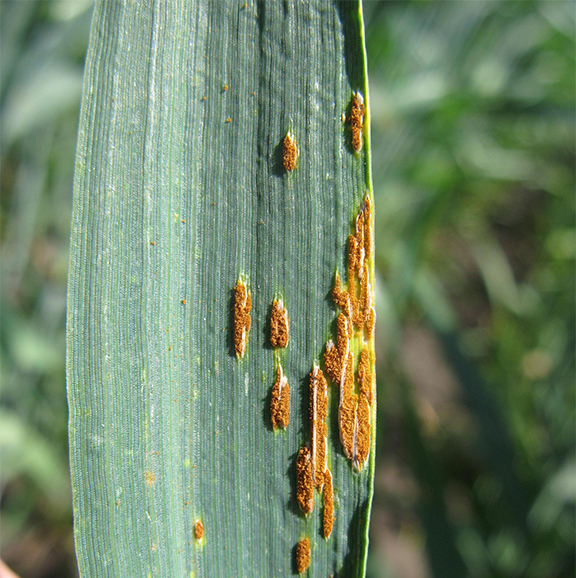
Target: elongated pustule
[(304, 480), (242, 319), (347, 407), (280, 400), (328, 517), (357, 111), (279, 324), (318, 414), (291, 153)]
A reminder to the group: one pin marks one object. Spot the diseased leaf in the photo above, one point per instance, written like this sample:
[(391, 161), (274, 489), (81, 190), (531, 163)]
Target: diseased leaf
[(185, 187)]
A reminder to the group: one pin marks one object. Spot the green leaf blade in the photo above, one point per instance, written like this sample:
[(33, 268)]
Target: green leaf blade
[(176, 196)]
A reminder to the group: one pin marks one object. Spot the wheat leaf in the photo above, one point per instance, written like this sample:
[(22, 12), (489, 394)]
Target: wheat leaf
[(180, 191)]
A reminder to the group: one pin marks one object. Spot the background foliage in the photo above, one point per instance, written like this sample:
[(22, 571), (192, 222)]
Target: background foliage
[(473, 151)]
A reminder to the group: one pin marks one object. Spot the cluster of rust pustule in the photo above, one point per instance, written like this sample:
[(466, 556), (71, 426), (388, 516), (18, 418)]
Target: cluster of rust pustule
[(355, 326), (347, 363), (355, 329), (279, 334), (312, 472)]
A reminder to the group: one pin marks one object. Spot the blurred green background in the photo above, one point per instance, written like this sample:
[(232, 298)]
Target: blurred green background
[(473, 136)]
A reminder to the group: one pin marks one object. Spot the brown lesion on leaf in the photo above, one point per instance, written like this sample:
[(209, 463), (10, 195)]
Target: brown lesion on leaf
[(291, 153), (279, 324), (280, 401), (242, 319), (356, 120), (303, 555)]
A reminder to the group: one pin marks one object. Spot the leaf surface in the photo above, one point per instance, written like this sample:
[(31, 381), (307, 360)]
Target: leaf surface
[(180, 190)]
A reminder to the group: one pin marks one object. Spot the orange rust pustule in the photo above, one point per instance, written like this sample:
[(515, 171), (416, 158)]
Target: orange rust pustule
[(347, 419), (319, 432), (368, 236), (304, 481), (360, 249), (242, 319), (354, 305), (347, 408), (279, 325), (328, 518), (347, 384), (303, 555), (280, 402), (352, 311), (360, 319), (291, 153), (198, 530), (341, 297), (362, 449), (332, 362), (365, 376), (357, 111), (370, 322), (365, 292), (352, 255), (344, 329)]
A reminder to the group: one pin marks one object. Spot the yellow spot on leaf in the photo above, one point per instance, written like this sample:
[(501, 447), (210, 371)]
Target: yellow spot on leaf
[(149, 478)]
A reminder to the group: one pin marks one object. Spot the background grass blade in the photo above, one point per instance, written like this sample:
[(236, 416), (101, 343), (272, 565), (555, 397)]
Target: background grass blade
[(179, 191)]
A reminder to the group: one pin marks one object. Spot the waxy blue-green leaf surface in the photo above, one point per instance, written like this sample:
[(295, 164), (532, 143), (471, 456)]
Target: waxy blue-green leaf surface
[(179, 191)]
